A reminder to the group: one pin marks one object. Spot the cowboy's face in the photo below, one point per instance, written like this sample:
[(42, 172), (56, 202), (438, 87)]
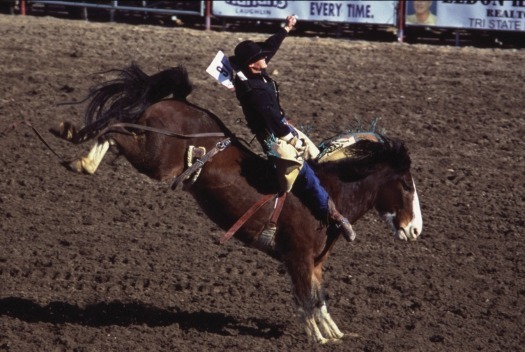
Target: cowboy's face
[(421, 7), (258, 66)]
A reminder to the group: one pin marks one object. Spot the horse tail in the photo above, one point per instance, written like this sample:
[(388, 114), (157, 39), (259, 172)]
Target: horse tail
[(133, 91), (125, 98)]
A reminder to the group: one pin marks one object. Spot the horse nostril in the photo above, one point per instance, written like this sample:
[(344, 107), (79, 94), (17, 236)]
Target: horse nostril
[(414, 232)]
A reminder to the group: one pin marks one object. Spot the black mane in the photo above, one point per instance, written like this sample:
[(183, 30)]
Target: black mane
[(364, 155)]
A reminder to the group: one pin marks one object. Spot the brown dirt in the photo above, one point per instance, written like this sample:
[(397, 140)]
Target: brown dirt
[(117, 262)]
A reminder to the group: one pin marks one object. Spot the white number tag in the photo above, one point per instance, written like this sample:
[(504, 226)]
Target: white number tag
[(221, 69)]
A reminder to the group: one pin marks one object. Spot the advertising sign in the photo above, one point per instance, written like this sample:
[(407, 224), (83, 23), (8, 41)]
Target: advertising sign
[(357, 11), (505, 15)]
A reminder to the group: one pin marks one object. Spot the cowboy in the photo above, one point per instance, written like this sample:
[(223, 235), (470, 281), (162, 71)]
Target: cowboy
[(286, 146)]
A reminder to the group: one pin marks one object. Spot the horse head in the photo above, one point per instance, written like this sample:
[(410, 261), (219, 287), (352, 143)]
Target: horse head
[(397, 203), (374, 172)]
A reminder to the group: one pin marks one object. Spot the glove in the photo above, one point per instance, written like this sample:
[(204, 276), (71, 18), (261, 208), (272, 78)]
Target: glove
[(299, 144)]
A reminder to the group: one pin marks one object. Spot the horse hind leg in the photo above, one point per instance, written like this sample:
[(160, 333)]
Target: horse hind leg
[(66, 130), (90, 163)]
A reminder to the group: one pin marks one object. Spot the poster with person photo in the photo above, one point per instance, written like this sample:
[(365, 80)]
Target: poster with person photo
[(421, 12)]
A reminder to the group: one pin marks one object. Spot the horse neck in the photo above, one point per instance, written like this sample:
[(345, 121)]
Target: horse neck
[(355, 198)]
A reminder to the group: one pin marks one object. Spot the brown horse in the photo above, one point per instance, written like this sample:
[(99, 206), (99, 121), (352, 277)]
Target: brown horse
[(370, 174)]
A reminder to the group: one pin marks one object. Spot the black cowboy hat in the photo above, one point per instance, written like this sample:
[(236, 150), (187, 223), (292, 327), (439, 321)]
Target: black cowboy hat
[(248, 52)]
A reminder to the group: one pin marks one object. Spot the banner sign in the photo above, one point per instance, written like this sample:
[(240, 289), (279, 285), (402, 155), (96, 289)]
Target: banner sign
[(351, 11), (503, 15)]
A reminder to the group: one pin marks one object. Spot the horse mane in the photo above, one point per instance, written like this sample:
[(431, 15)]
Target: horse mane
[(362, 157), (126, 97)]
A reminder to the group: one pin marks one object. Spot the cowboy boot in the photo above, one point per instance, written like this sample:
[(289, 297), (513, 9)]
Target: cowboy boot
[(340, 221)]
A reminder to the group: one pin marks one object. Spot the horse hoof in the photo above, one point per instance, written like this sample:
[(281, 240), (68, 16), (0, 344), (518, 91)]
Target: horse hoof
[(66, 130), (323, 341), (75, 165), (351, 335), (337, 341)]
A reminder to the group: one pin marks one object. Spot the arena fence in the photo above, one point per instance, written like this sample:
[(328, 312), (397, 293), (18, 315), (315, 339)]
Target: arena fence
[(402, 17), (156, 7)]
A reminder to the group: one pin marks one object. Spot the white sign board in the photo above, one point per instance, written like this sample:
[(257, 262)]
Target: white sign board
[(351, 11), (505, 15)]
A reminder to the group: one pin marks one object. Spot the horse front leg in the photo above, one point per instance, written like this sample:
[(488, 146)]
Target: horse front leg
[(322, 317), (327, 324), (89, 163), (312, 330), (308, 295), (66, 130)]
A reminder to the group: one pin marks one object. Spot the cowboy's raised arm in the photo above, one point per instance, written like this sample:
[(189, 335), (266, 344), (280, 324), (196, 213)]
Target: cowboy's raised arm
[(274, 42)]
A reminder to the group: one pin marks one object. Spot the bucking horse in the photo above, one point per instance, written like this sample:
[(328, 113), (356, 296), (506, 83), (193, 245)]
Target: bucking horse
[(149, 121)]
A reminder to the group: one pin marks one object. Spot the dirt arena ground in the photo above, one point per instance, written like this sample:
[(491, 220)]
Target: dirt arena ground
[(117, 262)]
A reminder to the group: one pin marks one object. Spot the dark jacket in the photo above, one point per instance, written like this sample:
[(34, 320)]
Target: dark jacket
[(259, 97)]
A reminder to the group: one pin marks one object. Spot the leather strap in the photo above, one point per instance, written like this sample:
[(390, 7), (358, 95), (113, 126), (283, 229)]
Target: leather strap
[(279, 203), (245, 217), (219, 147), (161, 131)]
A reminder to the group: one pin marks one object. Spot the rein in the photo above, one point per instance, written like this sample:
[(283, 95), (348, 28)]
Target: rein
[(122, 125), (28, 124), (158, 130)]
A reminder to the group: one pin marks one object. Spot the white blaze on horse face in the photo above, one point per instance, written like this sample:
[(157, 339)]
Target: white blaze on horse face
[(415, 227), (412, 230)]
